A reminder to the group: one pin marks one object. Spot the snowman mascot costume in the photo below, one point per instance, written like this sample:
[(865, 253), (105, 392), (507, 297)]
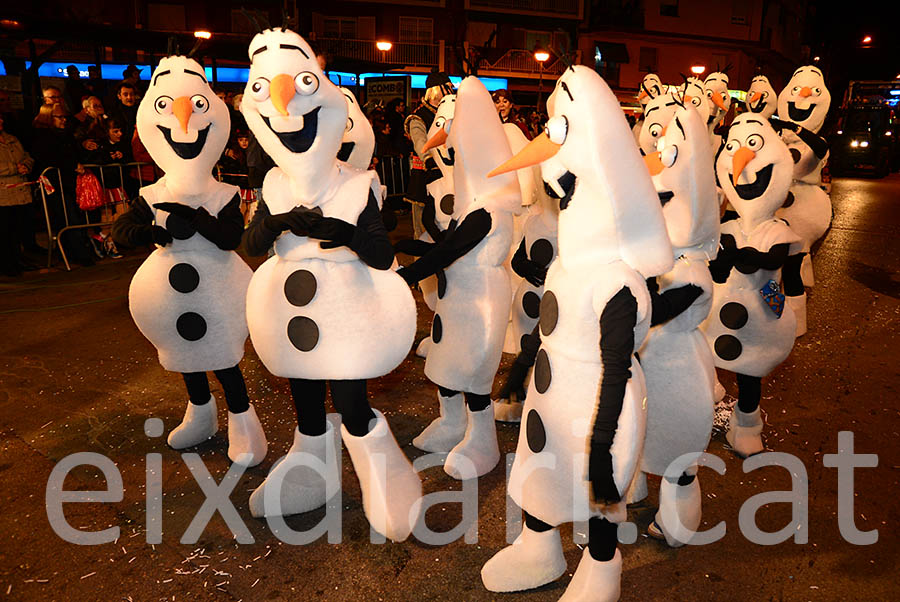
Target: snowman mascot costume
[(188, 297), (715, 87), (473, 287), (802, 108), (358, 143), (676, 358), (584, 416), (438, 209), (651, 87), (325, 309), (657, 116), (749, 328), (761, 97)]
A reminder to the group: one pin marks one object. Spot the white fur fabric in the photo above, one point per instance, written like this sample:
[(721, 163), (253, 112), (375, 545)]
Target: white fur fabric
[(550, 482), (809, 216), (765, 340), (680, 374)]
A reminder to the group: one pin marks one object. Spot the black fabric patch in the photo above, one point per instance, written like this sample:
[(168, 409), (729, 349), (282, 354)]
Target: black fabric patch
[(728, 347), (437, 329), (549, 313), (179, 228), (441, 284), (535, 433), (184, 277), (303, 333), (300, 288), (345, 151), (531, 303), (746, 268), (191, 326), (447, 203), (789, 200), (758, 187), (522, 340), (733, 315), (541, 252), (795, 154), (542, 372)]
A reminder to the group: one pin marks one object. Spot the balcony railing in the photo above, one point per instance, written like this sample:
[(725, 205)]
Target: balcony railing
[(558, 8), (401, 53), (520, 61)]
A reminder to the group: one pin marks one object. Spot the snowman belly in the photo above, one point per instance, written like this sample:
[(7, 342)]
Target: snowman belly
[(191, 306), (680, 375), (809, 216), (549, 475), (469, 325), (746, 336), (329, 320)]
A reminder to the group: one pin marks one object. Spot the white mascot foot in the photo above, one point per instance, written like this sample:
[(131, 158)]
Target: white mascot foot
[(478, 453), (424, 346), (595, 581), (806, 271), (533, 560), (638, 490), (199, 424), (308, 476), (391, 488), (247, 443), (507, 411), (798, 306), (679, 513), (719, 391), (446, 431), (744, 432)]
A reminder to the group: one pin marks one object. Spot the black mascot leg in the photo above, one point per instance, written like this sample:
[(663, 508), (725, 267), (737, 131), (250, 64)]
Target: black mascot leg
[(602, 539), (309, 402), (477, 402), (232, 381), (749, 392), (350, 400), (197, 387), (790, 274), (536, 524), (445, 392)]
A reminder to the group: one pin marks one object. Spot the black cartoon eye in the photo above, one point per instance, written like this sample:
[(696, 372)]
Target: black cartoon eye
[(695, 101), (795, 90), (817, 91), (163, 105), (755, 142), (557, 129), (199, 103), (259, 90), (349, 124), (655, 130), (306, 83), (732, 146), (709, 93), (765, 94), (439, 122)]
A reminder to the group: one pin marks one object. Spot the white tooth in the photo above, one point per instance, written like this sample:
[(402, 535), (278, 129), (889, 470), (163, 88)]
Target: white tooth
[(744, 178), (286, 124)]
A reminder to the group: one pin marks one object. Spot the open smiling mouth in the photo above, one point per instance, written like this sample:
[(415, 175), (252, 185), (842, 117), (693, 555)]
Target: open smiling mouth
[(756, 189), (345, 151), (759, 107), (186, 150), (300, 140), (799, 114), (448, 161), (665, 197)]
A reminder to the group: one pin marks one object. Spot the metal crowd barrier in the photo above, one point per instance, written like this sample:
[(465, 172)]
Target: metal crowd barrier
[(393, 171)]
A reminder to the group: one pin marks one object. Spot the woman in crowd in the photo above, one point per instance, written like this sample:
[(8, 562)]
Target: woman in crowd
[(15, 165), (508, 112)]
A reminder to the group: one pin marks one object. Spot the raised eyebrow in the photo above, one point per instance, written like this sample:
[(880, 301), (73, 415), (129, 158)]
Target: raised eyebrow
[(566, 88), (293, 47), (671, 104), (160, 74), (197, 74), (258, 50), (680, 127), (752, 121), (648, 111)]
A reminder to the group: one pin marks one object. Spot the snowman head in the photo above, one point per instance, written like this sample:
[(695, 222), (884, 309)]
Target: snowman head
[(715, 88), (682, 171), (477, 140), (805, 99), (761, 97), (181, 122), (296, 113), (693, 94), (443, 156), (610, 210), (358, 142), (651, 87), (754, 168), (657, 115)]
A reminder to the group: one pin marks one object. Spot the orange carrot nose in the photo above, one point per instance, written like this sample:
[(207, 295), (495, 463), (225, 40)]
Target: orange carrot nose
[(435, 141), (538, 150), (742, 157), (687, 98), (663, 132), (717, 100), (642, 94), (182, 109), (281, 91), (754, 97), (654, 163), (805, 91)]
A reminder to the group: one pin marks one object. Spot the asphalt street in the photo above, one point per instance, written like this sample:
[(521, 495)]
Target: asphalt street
[(76, 376)]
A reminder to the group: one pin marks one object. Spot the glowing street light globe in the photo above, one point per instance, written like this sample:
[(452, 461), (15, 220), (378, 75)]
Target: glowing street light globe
[(383, 45), (205, 35), (698, 69), (541, 55)]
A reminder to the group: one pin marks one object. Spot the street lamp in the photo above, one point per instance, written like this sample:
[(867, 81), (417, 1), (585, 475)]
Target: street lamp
[(540, 55), (867, 40), (204, 35), (383, 46), (698, 70)]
